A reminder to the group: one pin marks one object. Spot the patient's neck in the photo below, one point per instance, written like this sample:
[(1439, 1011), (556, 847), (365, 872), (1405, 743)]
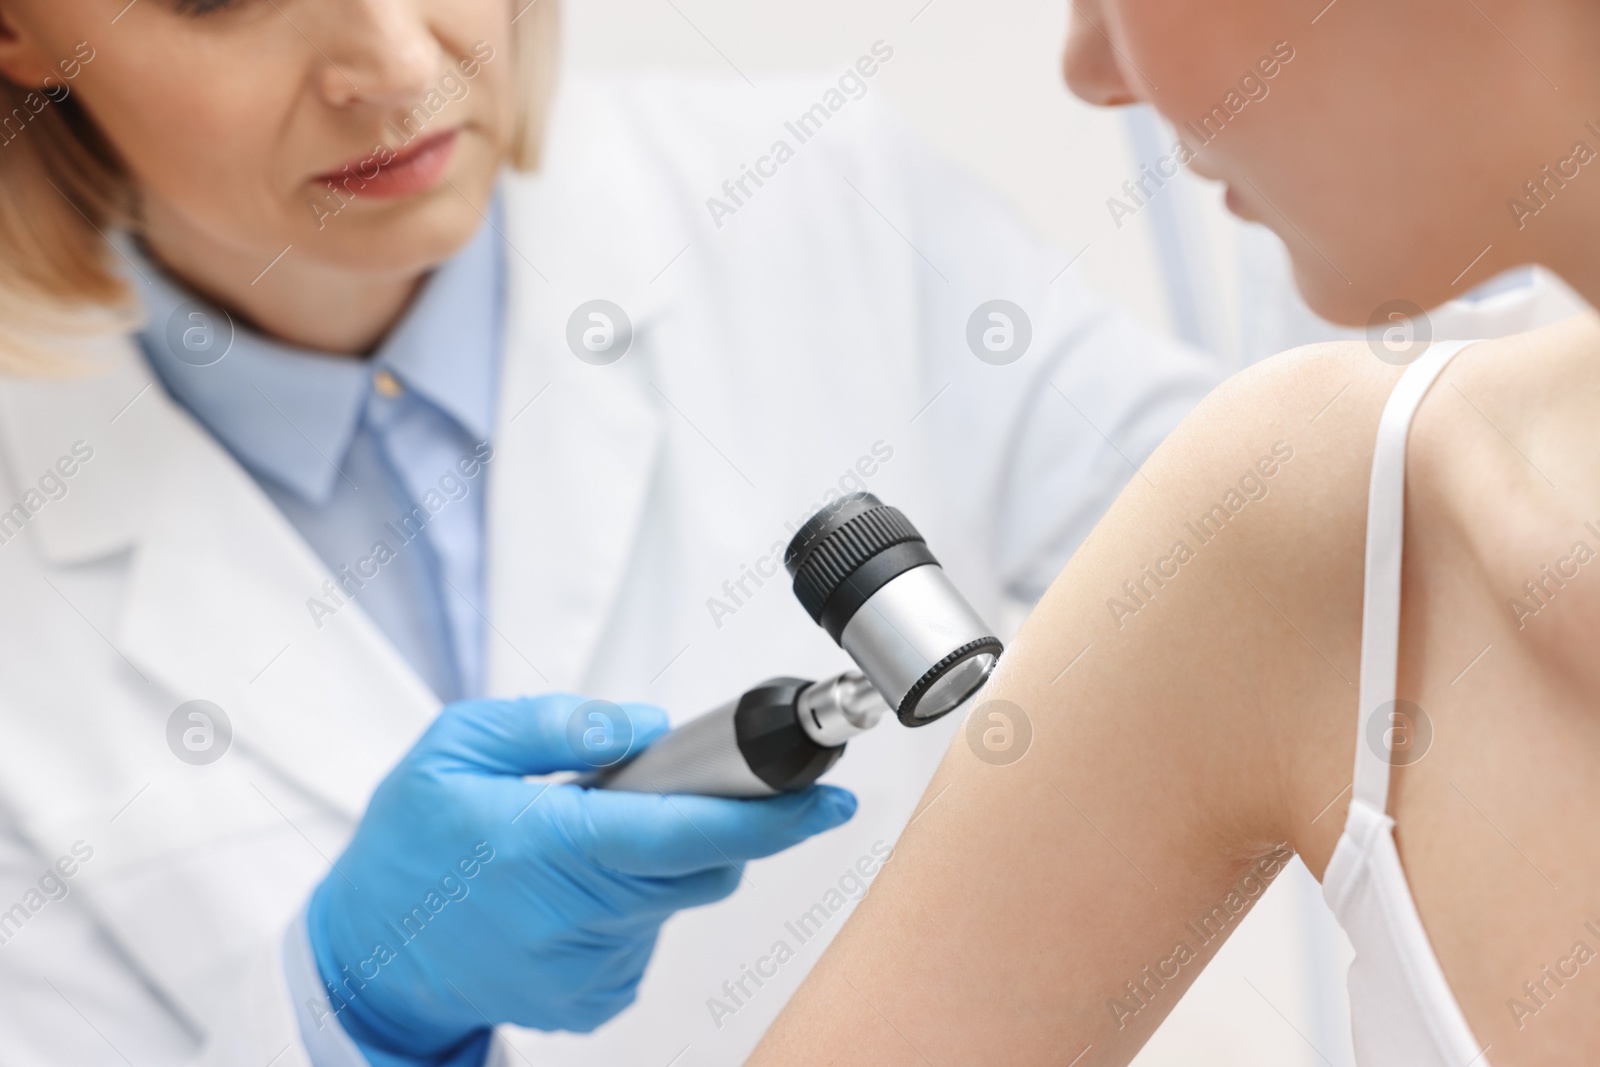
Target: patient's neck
[(1575, 256)]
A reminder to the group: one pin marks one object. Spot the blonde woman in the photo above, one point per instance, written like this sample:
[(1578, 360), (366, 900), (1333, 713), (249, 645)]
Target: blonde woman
[(332, 408), (1423, 735)]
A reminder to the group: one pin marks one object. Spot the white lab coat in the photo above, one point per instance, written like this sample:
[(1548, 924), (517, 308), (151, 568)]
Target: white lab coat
[(815, 342)]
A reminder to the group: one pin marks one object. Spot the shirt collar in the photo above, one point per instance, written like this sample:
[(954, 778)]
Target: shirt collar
[(289, 413), (447, 348)]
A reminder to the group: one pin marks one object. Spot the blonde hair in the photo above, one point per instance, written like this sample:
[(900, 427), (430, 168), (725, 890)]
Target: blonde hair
[(63, 188)]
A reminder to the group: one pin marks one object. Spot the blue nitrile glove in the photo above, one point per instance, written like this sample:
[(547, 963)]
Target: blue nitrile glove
[(471, 897)]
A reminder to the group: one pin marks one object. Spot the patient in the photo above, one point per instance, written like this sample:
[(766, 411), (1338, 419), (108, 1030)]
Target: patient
[(1197, 712)]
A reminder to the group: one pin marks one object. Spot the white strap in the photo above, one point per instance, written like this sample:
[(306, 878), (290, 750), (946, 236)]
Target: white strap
[(1380, 613)]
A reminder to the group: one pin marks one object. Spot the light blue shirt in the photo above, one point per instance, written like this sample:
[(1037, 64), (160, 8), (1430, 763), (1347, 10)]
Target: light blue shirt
[(387, 485)]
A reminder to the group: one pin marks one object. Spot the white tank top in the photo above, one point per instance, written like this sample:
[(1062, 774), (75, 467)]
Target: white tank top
[(1402, 1011)]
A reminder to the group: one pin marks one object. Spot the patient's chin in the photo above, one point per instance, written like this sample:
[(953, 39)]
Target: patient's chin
[(1377, 302)]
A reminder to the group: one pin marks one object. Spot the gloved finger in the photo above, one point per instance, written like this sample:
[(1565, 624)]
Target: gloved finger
[(653, 900), (540, 735), (702, 887), (660, 835), (584, 1010)]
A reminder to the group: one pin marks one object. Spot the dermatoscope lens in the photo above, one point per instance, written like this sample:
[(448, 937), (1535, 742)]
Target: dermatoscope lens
[(865, 574), (952, 689)]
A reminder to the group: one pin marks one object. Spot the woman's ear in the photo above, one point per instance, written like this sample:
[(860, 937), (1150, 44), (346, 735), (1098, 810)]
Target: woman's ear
[(22, 60)]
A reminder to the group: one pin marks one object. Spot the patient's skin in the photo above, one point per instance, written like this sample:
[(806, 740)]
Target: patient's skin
[(1221, 719)]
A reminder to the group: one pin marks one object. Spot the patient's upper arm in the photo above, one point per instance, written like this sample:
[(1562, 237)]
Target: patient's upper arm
[(1189, 686)]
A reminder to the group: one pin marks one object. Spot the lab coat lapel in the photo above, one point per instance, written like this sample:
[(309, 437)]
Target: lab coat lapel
[(575, 443), (569, 495), (215, 605), (220, 608)]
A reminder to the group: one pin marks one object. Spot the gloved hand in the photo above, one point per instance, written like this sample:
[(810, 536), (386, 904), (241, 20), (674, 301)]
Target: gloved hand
[(470, 897)]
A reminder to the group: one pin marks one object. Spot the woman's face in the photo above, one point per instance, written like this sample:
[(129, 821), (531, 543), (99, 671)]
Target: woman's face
[(1380, 140), (360, 132)]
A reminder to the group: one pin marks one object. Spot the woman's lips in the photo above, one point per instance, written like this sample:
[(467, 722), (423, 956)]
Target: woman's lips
[(413, 169)]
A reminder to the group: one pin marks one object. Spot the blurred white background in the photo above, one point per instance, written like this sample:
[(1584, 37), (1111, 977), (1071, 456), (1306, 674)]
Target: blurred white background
[(981, 81)]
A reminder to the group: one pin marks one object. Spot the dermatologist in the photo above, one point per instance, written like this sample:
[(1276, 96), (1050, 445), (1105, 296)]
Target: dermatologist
[(362, 404)]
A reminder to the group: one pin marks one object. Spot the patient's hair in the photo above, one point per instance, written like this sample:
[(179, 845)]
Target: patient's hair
[(62, 188)]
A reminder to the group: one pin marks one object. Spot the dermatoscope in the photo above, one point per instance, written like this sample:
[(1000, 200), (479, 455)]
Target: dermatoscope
[(867, 577)]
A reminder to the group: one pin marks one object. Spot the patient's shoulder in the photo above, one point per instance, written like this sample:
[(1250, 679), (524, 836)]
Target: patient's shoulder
[(1503, 483), (1505, 463), (1510, 424), (1505, 449), (1301, 424)]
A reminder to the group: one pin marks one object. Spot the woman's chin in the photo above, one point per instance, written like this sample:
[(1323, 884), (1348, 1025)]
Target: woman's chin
[(408, 238), (389, 234)]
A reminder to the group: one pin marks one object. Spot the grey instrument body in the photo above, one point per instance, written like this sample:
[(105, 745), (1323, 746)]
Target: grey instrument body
[(701, 756)]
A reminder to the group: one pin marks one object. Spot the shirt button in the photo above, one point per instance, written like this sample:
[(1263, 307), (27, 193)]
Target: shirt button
[(387, 385)]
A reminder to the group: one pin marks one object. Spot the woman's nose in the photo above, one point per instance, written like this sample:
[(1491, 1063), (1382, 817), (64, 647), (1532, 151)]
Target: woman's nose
[(1089, 61), (376, 52)]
